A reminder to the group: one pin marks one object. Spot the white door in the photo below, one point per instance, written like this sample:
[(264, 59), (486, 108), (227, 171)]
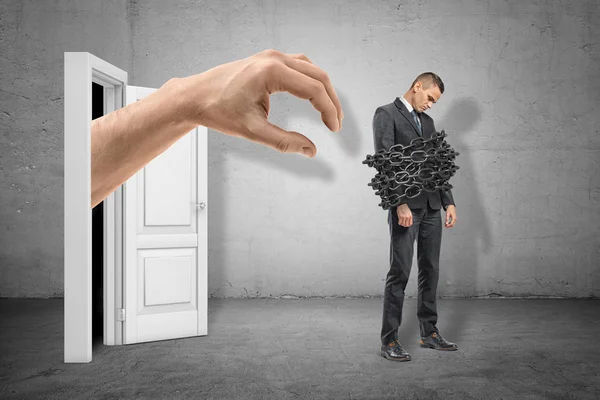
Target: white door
[(165, 291)]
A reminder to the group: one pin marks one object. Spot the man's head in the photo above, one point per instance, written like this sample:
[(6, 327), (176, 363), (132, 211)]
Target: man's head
[(425, 91)]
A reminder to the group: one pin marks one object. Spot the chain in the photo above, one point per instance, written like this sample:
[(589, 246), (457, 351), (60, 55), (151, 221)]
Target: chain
[(404, 172)]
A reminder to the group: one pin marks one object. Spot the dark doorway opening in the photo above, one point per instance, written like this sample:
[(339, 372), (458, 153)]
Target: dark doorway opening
[(97, 240)]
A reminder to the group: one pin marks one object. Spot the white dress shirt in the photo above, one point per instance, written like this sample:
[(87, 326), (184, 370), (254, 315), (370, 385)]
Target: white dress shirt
[(407, 104)]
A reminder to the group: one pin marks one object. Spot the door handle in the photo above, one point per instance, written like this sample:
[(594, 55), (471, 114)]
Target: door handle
[(201, 205)]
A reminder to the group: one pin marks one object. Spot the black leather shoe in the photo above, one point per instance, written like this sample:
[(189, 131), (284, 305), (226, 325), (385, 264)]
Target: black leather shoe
[(394, 352), (437, 342)]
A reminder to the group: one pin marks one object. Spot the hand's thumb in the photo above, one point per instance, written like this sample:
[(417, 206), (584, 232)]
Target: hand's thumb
[(287, 141)]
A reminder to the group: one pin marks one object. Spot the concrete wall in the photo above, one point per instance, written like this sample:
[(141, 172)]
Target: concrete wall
[(520, 106), (33, 37)]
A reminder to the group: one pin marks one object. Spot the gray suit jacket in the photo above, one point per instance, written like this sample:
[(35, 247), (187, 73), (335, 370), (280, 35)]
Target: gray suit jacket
[(393, 124)]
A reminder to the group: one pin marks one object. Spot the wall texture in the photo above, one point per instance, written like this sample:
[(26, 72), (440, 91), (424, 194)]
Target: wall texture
[(33, 38), (521, 106)]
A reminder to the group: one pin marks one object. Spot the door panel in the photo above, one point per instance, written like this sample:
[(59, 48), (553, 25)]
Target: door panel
[(165, 274), (169, 278), (168, 185)]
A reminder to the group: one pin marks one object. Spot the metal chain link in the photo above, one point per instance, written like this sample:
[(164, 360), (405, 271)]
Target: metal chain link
[(404, 172)]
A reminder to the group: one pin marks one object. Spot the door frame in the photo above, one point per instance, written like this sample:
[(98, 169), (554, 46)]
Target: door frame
[(82, 69)]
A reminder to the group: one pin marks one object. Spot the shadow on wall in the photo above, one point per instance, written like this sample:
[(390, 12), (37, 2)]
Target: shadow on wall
[(223, 146), (349, 138), (475, 231)]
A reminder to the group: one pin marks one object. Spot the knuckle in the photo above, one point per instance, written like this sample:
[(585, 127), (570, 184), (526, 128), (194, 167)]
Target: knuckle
[(303, 57), (282, 145), (271, 53), (269, 66), (324, 76)]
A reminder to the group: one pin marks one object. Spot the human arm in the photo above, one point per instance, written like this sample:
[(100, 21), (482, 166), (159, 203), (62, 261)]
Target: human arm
[(125, 140), (383, 130), (448, 204), (231, 98), (447, 199)]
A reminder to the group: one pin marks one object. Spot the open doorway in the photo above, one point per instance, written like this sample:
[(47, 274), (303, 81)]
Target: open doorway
[(86, 288), (104, 278), (97, 240)]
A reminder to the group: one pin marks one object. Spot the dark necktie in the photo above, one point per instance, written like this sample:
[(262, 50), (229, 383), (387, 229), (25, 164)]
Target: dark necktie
[(417, 121)]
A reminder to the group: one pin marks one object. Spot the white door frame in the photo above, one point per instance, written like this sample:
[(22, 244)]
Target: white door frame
[(81, 69)]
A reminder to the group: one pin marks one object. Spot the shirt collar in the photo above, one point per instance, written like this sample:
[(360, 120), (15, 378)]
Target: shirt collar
[(406, 104)]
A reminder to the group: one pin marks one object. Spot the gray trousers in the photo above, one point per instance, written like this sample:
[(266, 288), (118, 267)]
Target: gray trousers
[(427, 231)]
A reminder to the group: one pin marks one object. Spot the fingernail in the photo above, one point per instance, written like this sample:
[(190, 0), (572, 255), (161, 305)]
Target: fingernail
[(307, 151)]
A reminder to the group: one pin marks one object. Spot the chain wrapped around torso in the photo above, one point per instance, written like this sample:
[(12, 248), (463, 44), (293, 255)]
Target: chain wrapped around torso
[(403, 172)]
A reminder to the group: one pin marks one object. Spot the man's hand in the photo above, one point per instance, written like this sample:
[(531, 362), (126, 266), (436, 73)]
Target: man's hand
[(404, 215), (450, 216), (233, 98)]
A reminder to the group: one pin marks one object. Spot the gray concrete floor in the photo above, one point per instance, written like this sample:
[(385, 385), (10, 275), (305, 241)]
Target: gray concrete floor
[(317, 349)]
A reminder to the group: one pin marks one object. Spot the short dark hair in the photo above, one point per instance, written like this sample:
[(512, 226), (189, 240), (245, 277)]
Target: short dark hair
[(429, 77)]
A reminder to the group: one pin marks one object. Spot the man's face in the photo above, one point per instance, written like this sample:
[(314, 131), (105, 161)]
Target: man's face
[(425, 98)]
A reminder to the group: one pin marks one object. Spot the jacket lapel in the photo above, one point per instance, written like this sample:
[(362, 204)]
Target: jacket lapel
[(407, 115)]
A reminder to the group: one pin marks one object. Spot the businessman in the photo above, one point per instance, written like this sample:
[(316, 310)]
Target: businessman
[(413, 219)]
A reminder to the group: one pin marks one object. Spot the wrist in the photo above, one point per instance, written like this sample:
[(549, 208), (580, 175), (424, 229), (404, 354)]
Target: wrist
[(183, 94)]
